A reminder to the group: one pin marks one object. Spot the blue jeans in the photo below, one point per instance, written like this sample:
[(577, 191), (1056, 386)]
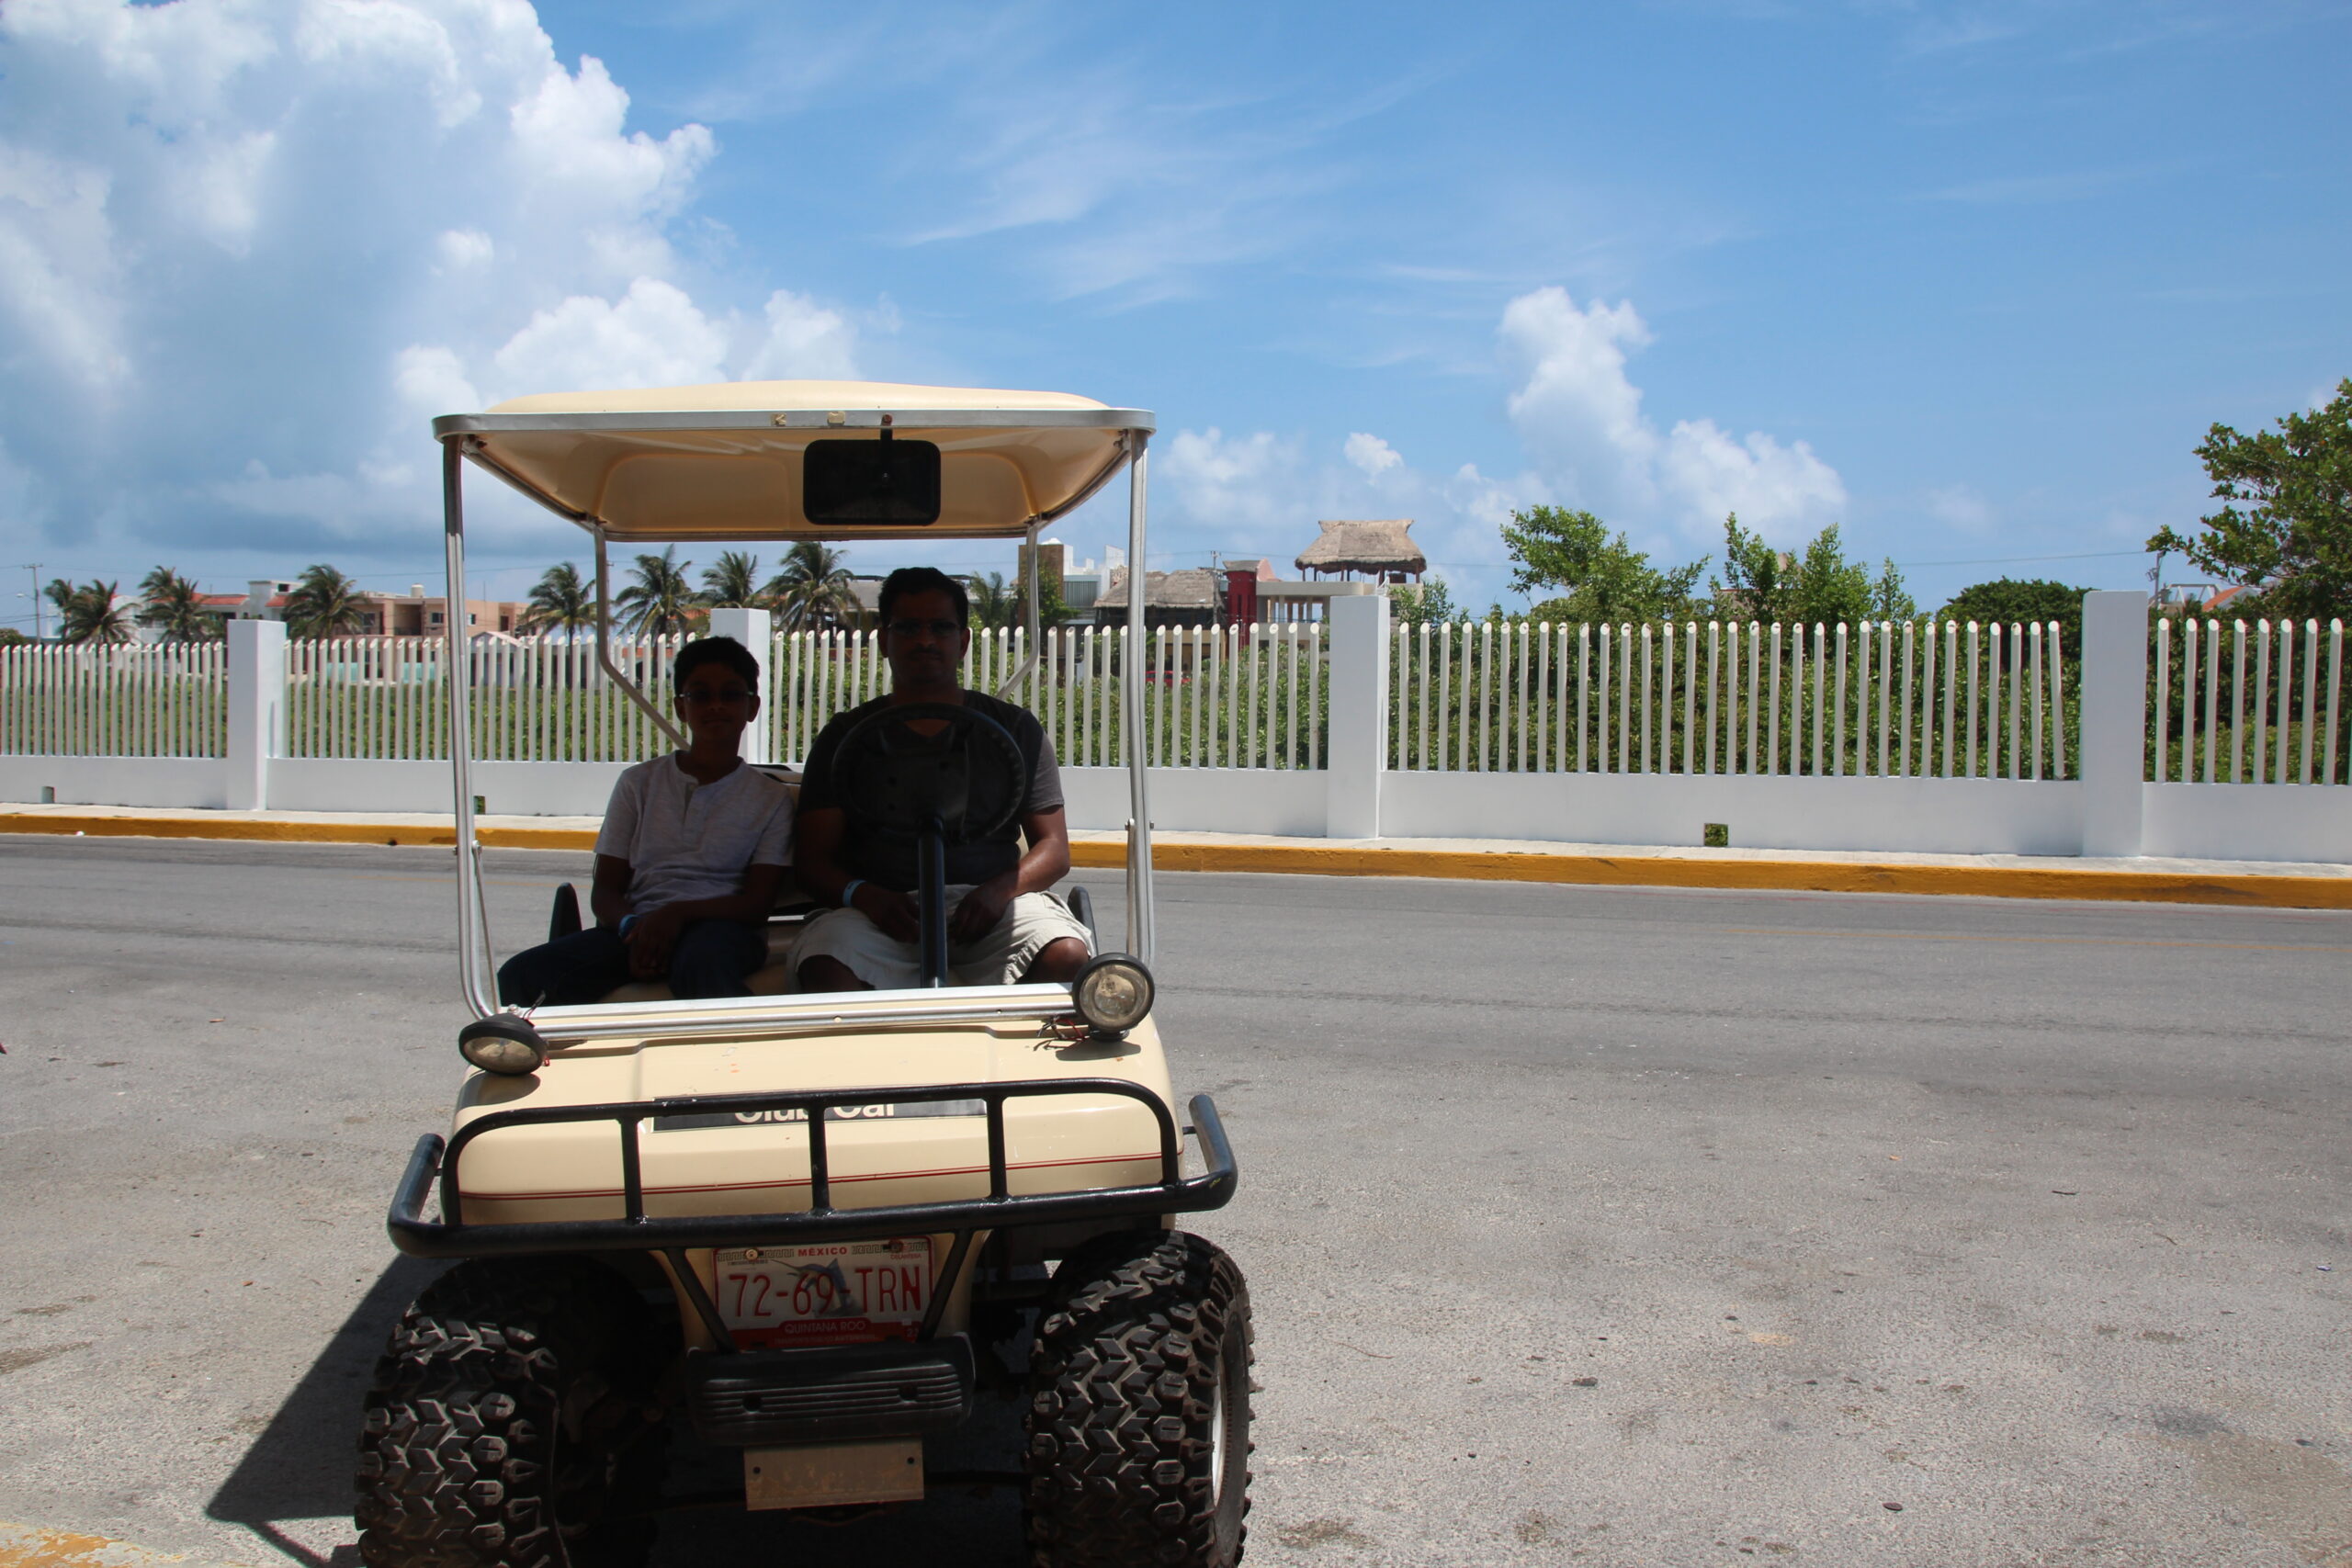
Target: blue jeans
[(712, 958)]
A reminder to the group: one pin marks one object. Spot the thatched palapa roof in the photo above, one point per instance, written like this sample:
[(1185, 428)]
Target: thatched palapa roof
[(1189, 590), (1376, 547)]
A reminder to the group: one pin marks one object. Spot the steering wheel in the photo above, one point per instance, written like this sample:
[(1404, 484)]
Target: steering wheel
[(967, 774)]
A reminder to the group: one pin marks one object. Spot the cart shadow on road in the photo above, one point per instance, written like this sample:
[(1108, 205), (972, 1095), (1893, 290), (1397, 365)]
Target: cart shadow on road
[(300, 1466), (297, 1470)]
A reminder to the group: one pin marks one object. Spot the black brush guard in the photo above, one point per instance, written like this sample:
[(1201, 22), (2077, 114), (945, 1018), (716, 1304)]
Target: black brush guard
[(1173, 1194)]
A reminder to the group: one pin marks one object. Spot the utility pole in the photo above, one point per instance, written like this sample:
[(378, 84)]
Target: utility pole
[(34, 568)]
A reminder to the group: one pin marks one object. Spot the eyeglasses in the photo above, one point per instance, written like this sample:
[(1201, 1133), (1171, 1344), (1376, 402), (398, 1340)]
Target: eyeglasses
[(916, 628), (730, 695)]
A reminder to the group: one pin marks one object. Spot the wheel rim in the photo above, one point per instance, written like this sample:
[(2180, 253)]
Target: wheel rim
[(1216, 1440)]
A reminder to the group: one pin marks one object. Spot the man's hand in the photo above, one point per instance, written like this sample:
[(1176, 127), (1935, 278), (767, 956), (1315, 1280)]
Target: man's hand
[(898, 915), (651, 939), (978, 911)]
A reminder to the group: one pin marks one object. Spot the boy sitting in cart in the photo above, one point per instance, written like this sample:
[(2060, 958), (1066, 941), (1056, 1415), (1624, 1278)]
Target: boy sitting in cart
[(1003, 926), (694, 848)]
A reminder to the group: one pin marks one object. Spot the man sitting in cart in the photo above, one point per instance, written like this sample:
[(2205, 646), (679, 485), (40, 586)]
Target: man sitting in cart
[(694, 848), (1003, 926)]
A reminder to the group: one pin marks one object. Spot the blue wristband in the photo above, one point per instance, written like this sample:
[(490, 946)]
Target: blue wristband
[(851, 891), (627, 921)]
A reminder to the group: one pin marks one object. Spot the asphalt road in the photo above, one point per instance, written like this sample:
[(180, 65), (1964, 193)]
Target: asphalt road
[(1606, 1226)]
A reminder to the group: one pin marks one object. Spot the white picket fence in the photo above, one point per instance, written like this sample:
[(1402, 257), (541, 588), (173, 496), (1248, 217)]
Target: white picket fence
[(546, 700), (1884, 699), (125, 700), (2279, 728), (1248, 697), (1234, 697), (2228, 702)]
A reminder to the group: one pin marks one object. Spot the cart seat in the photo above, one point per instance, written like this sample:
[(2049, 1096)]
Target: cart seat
[(773, 979)]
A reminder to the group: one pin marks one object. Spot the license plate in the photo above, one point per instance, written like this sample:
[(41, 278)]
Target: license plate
[(826, 1292)]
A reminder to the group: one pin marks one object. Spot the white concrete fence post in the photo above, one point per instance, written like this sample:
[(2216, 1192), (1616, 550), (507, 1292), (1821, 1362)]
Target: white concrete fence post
[(751, 628), (2114, 721), (256, 710), (1359, 751)]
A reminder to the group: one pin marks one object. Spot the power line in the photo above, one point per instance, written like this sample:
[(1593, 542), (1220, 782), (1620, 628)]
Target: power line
[(2012, 560)]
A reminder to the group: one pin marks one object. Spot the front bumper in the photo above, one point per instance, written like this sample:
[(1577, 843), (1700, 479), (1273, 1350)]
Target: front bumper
[(449, 1237)]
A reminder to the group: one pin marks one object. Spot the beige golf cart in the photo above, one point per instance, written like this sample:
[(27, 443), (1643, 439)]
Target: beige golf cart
[(816, 1229)]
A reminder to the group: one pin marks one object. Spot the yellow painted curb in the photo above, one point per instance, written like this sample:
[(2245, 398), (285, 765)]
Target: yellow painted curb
[(290, 832), (29, 1546), (1471, 866), (1812, 877)]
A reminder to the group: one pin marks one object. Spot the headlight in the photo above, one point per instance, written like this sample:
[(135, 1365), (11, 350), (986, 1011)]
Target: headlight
[(503, 1043), (1113, 993)]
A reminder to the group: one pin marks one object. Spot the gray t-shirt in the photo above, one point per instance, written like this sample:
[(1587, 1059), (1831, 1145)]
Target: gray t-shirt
[(888, 858), (684, 840)]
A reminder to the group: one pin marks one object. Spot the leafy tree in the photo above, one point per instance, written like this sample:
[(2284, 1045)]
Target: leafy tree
[(658, 601), (1052, 610), (1422, 604), (11, 637), (1606, 579), (1820, 586), (87, 612), (2293, 539), (325, 604), (1890, 601), (995, 603), (1759, 584), (734, 582), (559, 602), (2010, 600), (1831, 588), (174, 606), (812, 588)]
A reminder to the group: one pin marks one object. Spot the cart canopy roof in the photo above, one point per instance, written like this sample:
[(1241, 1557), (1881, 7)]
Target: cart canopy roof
[(725, 461)]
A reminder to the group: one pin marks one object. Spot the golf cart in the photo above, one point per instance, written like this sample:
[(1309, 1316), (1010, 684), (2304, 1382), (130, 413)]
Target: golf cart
[(818, 1229)]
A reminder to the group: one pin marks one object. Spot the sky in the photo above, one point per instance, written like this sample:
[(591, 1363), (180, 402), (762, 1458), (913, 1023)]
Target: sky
[(1970, 280)]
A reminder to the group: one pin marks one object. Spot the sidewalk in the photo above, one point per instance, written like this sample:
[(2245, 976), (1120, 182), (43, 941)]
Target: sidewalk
[(2254, 883)]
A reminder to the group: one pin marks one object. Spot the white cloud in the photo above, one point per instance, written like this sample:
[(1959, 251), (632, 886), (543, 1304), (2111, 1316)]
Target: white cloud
[(1774, 488), (247, 246), (803, 341), (1236, 486), (465, 248), (1372, 455), (1958, 506), (655, 337), (58, 268), (1582, 418), (1589, 441), (432, 381)]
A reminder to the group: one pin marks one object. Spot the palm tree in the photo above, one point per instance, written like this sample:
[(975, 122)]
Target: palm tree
[(994, 604), (325, 604), (661, 602), (172, 606), (89, 613), (812, 589), (559, 602), (734, 583)]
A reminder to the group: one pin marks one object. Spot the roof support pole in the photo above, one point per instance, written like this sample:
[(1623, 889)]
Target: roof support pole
[(626, 683), (1140, 940), (476, 964)]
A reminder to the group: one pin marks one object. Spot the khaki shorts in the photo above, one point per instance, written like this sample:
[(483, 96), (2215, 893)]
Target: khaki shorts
[(997, 957)]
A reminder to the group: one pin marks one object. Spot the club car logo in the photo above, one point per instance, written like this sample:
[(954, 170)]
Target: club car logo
[(832, 1114)]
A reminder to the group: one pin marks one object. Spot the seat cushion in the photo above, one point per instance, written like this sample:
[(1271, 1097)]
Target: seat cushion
[(772, 980)]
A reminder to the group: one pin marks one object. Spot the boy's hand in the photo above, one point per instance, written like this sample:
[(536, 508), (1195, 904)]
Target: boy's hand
[(977, 912), (898, 915), (652, 937)]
